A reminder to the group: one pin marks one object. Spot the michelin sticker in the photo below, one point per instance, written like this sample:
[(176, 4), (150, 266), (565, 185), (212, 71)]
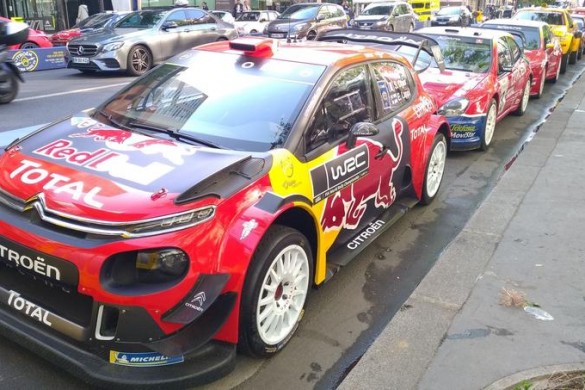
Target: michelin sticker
[(143, 359)]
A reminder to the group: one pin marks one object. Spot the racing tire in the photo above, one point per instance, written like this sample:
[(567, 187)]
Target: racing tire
[(311, 35), (139, 60), (489, 126), (523, 104), (564, 62), (435, 169), (557, 75), (275, 291), (573, 58), (11, 87), (541, 86)]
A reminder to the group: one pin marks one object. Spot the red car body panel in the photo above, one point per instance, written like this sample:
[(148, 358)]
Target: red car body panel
[(35, 37)]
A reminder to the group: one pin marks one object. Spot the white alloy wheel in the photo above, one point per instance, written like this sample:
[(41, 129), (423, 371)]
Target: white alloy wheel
[(524, 102), (282, 295), (435, 169), (541, 88), (490, 126)]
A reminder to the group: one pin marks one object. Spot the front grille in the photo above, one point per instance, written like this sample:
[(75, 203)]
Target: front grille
[(65, 302), (365, 24), (83, 50)]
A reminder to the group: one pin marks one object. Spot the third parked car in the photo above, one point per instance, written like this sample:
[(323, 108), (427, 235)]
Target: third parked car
[(306, 20)]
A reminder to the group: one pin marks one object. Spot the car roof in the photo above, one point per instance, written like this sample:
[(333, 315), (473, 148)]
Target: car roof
[(332, 54), (516, 22), (464, 32)]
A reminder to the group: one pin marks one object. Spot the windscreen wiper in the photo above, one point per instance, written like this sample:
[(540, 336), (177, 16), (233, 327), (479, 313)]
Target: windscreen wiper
[(175, 134)]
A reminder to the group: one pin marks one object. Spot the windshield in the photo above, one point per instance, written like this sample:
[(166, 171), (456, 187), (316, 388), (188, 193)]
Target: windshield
[(141, 19), (449, 11), (218, 99), (304, 11), (555, 18), (474, 55), (248, 17), (379, 10)]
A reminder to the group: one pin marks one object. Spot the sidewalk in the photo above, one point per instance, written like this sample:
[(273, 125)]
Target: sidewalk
[(528, 236)]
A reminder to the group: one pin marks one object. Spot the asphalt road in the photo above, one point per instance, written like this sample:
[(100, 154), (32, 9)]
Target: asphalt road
[(346, 314)]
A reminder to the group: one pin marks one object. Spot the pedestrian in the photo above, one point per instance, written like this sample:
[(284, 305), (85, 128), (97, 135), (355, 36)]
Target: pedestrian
[(82, 13), (247, 6), (182, 3), (204, 6), (238, 8), (348, 11)]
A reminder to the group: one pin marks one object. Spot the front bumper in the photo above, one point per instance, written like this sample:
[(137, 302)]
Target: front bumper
[(209, 363), (110, 61), (466, 132)]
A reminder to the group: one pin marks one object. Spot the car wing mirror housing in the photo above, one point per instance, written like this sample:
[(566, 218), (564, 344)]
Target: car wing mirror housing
[(169, 25), (361, 129)]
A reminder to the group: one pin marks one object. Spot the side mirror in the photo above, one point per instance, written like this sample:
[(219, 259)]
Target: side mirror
[(505, 68), (321, 17), (168, 25), (262, 20), (360, 129)]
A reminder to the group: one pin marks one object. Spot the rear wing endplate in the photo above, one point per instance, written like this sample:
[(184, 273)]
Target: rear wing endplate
[(387, 38)]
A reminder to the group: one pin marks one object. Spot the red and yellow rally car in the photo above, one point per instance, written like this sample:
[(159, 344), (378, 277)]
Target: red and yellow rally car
[(143, 240)]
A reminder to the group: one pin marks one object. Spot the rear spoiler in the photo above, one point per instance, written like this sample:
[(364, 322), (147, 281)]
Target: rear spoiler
[(382, 38), (509, 29)]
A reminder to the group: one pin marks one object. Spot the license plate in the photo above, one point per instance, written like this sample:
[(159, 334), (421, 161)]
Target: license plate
[(442, 22), (278, 35), (81, 60)]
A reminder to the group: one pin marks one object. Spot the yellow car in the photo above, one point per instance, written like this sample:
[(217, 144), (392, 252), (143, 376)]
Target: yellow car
[(562, 26)]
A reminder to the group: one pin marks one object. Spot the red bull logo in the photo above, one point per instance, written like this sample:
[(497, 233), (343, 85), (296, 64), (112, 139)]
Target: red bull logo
[(351, 190), (105, 134)]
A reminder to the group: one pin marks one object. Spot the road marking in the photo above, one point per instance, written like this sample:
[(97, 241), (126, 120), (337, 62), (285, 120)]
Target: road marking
[(69, 92)]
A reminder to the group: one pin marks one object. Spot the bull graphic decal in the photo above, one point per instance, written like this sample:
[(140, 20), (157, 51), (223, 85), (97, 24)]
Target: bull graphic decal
[(349, 195), (125, 141)]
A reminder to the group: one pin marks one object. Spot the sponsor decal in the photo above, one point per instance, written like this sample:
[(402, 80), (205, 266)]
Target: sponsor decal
[(423, 107), (462, 135), (365, 234), (31, 172), (37, 265), (339, 173), (415, 133), (197, 302), (104, 160), (82, 122), (26, 60), (143, 359), (247, 228), (288, 171), (504, 84), (125, 141), (28, 308), (463, 128), (347, 206)]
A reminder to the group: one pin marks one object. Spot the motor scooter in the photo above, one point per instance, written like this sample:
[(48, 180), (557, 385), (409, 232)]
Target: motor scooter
[(11, 33)]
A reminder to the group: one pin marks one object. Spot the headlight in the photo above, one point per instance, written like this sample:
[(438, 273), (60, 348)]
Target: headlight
[(299, 27), (144, 271), (169, 223), (113, 46), (454, 107), (380, 22)]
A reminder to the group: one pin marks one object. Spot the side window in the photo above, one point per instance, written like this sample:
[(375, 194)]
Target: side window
[(394, 86), (346, 102), (178, 17), (324, 12), (514, 48), (196, 16), (504, 56)]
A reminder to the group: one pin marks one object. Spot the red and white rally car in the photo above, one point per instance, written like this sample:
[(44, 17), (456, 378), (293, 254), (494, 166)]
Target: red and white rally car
[(141, 241), (541, 47), (486, 77)]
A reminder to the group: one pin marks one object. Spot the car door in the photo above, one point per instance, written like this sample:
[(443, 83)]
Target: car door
[(346, 178), (520, 68), (553, 50), (174, 35), (203, 28), (506, 86)]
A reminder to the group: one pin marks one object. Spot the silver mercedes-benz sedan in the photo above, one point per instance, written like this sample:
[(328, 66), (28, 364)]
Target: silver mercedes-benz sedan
[(144, 38)]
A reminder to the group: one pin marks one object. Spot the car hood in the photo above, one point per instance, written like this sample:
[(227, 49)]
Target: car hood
[(450, 83), (110, 35), (83, 167)]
